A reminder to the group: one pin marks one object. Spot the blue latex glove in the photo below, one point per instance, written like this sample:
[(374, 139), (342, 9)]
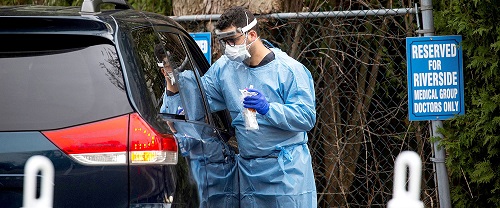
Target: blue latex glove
[(257, 102)]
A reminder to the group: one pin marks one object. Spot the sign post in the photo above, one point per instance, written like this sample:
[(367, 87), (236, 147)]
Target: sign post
[(436, 91), (204, 41)]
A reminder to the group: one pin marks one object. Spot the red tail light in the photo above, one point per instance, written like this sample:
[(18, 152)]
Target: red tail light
[(149, 146), (105, 142)]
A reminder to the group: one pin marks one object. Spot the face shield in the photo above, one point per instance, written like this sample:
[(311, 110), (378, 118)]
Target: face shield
[(220, 35), (223, 36)]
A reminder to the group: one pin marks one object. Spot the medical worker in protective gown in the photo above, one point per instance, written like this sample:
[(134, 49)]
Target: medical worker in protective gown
[(211, 160), (274, 166), (274, 162)]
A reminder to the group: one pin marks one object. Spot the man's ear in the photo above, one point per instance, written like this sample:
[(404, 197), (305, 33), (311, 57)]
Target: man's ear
[(253, 35)]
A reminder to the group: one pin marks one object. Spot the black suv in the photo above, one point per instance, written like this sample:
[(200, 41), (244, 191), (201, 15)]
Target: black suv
[(83, 88)]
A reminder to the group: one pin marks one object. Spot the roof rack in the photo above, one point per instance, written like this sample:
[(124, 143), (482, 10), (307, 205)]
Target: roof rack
[(94, 6)]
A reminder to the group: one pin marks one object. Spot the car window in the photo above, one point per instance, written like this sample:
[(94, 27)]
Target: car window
[(185, 73), (187, 100), (144, 40), (55, 81), (220, 119)]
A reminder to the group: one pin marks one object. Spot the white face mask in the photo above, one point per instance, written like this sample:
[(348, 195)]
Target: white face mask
[(238, 52)]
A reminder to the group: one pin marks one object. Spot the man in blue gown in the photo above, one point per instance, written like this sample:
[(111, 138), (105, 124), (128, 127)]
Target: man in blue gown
[(274, 161)]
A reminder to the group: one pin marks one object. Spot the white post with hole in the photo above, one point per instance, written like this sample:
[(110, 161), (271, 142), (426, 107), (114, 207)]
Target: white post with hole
[(34, 165), (403, 197)]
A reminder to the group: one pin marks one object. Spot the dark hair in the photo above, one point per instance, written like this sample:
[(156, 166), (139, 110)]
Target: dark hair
[(160, 52), (237, 17)]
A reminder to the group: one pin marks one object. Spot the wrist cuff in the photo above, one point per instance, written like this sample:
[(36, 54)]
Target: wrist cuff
[(170, 93)]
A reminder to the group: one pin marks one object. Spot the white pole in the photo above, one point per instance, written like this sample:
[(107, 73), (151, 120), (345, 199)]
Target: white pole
[(401, 198), (34, 165)]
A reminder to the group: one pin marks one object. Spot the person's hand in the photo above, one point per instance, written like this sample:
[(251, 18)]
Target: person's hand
[(171, 126), (169, 75), (257, 102)]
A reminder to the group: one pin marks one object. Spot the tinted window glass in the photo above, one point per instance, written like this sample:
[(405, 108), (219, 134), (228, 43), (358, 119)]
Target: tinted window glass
[(151, 91), (186, 78), (221, 119), (145, 40), (73, 80)]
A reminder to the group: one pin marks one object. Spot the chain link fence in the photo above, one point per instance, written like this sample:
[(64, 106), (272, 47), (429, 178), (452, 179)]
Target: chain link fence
[(358, 62)]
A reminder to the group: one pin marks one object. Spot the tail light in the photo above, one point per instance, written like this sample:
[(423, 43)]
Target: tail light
[(149, 146), (99, 143), (105, 142)]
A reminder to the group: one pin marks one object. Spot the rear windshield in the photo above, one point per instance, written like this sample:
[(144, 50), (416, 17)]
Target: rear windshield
[(56, 81)]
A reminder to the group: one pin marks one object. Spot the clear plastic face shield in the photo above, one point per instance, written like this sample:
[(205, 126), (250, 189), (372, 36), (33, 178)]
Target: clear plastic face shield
[(229, 37)]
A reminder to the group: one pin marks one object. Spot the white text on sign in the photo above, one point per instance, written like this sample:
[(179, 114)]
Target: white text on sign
[(435, 79), (426, 51), (440, 99)]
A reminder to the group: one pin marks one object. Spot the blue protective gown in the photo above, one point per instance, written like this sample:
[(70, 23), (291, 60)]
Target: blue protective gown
[(212, 162), (274, 162)]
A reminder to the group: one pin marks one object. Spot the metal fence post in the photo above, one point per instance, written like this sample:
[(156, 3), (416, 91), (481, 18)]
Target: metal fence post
[(439, 153), (440, 167)]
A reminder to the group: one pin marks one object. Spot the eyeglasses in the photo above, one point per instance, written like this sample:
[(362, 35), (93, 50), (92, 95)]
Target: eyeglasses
[(229, 41)]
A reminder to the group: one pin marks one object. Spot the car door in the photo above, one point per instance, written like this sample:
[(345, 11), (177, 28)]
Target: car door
[(202, 135), (153, 183)]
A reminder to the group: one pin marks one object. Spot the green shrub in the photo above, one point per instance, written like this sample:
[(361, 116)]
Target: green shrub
[(472, 141)]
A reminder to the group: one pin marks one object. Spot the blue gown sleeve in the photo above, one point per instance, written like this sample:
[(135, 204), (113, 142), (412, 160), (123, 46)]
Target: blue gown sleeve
[(298, 112), (212, 87)]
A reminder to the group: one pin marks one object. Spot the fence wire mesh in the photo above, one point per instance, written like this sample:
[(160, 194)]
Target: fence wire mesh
[(358, 62)]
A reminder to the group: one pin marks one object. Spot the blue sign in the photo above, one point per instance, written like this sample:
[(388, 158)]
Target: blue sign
[(204, 41), (435, 77)]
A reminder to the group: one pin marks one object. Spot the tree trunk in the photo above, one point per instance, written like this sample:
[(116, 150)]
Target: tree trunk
[(196, 7)]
